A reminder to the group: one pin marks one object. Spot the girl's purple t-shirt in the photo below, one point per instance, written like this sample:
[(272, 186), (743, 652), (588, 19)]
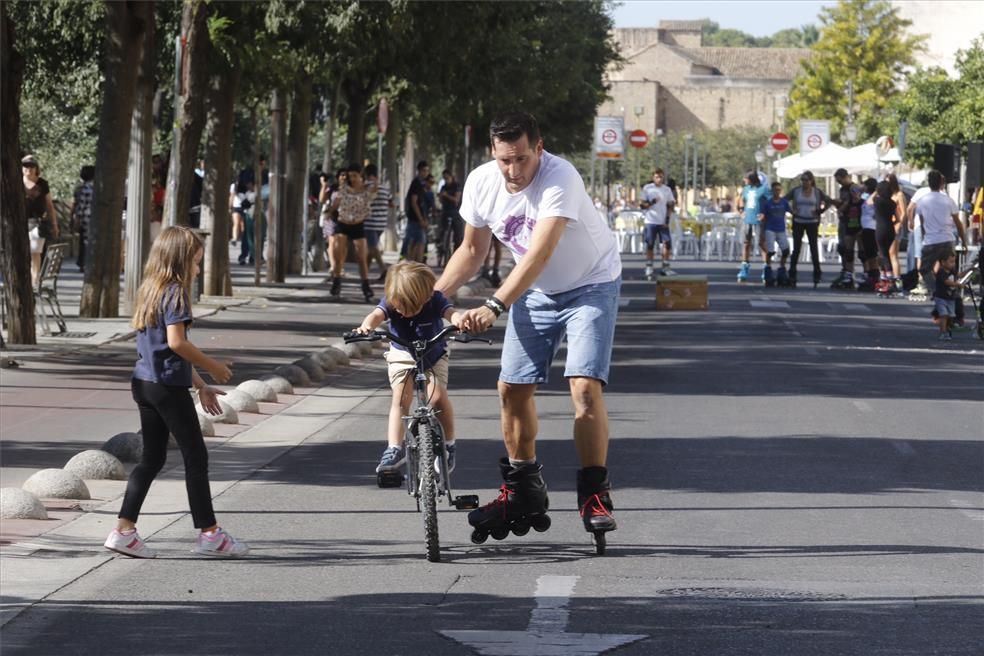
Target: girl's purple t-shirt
[(424, 325), (157, 363)]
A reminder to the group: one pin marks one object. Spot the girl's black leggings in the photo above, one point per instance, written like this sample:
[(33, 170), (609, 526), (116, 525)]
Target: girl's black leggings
[(812, 231), (885, 236), (164, 410)]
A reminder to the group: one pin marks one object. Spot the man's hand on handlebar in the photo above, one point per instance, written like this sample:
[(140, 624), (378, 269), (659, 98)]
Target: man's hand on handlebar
[(477, 320)]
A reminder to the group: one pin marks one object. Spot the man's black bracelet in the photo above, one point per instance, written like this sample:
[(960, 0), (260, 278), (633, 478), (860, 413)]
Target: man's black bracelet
[(495, 305)]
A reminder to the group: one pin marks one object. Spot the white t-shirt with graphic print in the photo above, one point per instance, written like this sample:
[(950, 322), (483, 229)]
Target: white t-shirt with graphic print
[(586, 254)]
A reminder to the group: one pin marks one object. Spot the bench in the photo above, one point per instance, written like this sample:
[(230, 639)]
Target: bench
[(46, 290)]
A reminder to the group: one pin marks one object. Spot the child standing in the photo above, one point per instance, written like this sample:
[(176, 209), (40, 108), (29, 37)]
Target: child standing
[(773, 216), (164, 371), (415, 311), (946, 292)]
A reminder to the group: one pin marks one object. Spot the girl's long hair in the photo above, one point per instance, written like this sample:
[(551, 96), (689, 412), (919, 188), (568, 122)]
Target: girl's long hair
[(171, 262)]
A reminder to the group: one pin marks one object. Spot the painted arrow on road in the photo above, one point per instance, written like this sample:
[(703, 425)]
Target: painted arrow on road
[(547, 632)]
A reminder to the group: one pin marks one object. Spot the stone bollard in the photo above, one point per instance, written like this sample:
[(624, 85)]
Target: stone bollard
[(56, 484), (329, 358), (127, 447), (96, 464), (279, 384), (240, 401), (294, 375), (259, 390), (338, 356), (16, 503), (205, 423), (311, 368), (227, 416)]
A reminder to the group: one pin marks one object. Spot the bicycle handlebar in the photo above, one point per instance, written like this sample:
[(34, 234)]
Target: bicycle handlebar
[(414, 345)]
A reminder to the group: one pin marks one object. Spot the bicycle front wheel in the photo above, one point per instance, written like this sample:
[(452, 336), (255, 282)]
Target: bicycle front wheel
[(428, 490)]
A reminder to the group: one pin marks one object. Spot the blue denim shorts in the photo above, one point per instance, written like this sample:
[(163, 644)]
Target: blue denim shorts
[(372, 238), (538, 324), (415, 233)]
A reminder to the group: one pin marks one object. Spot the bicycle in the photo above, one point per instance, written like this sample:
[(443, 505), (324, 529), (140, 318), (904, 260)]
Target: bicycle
[(428, 478)]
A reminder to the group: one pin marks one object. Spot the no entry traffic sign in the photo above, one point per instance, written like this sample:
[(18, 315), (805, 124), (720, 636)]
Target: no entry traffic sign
[(814, 141), (638, 138), (779, 141)]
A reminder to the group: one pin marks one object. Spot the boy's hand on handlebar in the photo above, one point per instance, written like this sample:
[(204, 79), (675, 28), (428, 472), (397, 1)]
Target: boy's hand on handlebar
[(363, 330), (476, 320)]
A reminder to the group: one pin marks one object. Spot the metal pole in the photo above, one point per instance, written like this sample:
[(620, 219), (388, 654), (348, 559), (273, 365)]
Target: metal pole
[(379, 152), (686, 172), (172, 178), (304, 222), (696, 184)]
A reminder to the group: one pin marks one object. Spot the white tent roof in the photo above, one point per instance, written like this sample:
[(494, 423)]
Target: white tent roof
[(863, 159)]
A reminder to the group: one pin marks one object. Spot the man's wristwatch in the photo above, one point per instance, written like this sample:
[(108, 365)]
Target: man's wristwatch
[(495, 305)]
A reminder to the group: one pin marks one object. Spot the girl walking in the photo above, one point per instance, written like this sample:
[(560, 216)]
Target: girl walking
[(164, 371)]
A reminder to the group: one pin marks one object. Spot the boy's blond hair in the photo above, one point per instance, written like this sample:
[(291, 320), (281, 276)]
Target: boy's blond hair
[(410, 283)]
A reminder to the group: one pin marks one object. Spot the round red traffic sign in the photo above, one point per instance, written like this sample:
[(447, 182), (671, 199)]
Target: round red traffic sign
[(638, 138), (779, 141), (814, 141), (609, 136)]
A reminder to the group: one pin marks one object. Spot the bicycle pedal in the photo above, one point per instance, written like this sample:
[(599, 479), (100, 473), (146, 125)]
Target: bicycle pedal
[(465, 502)]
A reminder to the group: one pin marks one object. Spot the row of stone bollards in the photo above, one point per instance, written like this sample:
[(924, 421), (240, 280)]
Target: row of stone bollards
[(106, 463)]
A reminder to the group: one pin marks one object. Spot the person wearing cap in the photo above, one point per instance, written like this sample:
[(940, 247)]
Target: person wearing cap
[(42, 222)]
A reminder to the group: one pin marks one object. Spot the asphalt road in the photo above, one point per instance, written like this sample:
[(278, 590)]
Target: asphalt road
[(804, 479)]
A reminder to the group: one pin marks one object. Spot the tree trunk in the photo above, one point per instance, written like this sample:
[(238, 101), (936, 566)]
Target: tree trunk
[(126, 23), (357, 97), (328, 164), (189, 113), (297, 170), (391, 155), (138, 194), (15, 251), (223, 89), (277, 227)]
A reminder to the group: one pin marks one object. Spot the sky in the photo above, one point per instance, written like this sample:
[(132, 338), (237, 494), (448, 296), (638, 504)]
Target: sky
[(756, 17)]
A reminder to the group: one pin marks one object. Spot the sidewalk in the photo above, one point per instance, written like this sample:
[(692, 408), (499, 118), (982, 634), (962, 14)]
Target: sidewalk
[(70, 393)]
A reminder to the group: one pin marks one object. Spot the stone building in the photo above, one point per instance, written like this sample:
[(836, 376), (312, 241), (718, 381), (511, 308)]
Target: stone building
[(673, 83)]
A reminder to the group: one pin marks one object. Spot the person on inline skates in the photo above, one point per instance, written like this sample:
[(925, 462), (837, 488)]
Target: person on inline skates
[(773, 215), (657, 203), (566, 281), (809, 204), (848, 227), (748, 204), (414, 311)]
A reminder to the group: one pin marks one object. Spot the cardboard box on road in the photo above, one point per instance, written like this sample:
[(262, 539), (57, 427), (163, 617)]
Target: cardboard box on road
[(681, 293)]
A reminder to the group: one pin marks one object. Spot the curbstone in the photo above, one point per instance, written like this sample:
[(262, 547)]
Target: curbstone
[(56, 484), (127, 447), (16, 503), (278, 384), (240, 401), (311, 368), (258, 390), (205, 423), (341, 355), (294, 375), (95, 464), (227, 416)]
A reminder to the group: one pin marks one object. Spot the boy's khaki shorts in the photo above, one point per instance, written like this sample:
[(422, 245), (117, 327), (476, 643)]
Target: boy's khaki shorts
[(401, 365)]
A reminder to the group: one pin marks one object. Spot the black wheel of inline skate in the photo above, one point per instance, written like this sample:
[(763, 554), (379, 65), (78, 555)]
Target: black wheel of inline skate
[(600, 543), (500, 532), (479, 537), (520, 527), (428, 491), (540, 523)]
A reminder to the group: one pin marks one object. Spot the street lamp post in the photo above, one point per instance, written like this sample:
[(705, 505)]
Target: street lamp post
[(638, 110), (686, 171)]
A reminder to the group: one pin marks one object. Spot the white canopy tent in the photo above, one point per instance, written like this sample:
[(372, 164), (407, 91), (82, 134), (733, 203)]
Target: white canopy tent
[(860, 160)]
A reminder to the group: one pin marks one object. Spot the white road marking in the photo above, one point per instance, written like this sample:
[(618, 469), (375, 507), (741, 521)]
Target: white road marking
[(546, 634), (863, 406), (885, 349), (783, 305), (809, 349), (968, 509), (792, 329), (850, 307)]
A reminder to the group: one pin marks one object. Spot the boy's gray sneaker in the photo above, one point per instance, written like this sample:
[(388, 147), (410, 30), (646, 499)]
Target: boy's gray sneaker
[(450, 448), (393, 458)]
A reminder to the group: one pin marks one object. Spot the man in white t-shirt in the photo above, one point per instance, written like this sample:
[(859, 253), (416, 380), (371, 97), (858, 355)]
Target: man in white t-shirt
[(657, 202), (938, 214), (565, 283)]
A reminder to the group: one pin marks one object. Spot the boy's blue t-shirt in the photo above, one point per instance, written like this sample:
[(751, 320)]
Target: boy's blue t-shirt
[(752, 197), (775, 213), (157, 363), (424, 325)]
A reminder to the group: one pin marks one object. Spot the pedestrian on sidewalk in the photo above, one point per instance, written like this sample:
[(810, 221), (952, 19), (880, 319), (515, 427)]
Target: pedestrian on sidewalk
[(164, 371)]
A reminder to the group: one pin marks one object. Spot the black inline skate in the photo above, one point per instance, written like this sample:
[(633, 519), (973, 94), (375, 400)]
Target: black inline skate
[(336, 287), (521, 505), (783, 279), (594, 502), (843, 282), (768, 276)]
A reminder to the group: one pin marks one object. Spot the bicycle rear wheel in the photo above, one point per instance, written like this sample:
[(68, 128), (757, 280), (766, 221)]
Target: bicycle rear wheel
[(428, 490)]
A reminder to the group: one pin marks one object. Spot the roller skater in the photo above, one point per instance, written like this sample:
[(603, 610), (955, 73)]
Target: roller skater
[(521, 505), (570, 283), (657, 202), (783, 279), (772, 213), (808, 204), (750, 205)]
